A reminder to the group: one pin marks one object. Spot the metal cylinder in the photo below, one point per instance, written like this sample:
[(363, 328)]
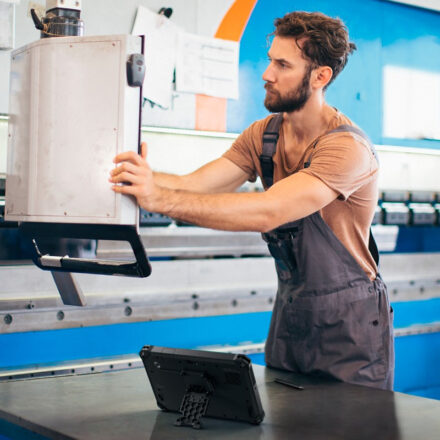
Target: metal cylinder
[(62, 23)]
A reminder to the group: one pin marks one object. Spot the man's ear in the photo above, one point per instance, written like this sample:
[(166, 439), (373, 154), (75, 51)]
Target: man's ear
[(321, 76)]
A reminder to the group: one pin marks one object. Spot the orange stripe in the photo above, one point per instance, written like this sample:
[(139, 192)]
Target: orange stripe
[(211, 111), (235, 21)]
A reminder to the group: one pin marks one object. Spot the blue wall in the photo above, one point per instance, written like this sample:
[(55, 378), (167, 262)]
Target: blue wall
[(384, 32)]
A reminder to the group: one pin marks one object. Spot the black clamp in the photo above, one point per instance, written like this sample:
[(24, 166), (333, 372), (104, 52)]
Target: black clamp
[(166, 11)]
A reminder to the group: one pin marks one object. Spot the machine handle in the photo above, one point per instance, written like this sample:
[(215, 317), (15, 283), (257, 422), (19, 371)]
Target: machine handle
[(138, 268), (37, 22)]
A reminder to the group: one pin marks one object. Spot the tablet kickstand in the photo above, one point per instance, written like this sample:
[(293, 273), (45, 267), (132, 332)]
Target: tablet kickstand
[(193, 408)]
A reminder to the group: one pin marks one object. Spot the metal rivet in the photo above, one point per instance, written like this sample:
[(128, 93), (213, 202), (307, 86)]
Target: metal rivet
[(253, 292), (422, 290), (195, 305), (8, 319), (234, 303), (128, 311), (60, 315), (270, 300)]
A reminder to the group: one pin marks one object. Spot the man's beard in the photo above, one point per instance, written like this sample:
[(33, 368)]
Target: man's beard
[(293, 101)]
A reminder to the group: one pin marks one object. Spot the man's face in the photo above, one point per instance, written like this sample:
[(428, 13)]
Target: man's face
[(287, 77)]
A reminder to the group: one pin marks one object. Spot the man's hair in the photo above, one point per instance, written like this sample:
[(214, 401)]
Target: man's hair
[(325, 39)]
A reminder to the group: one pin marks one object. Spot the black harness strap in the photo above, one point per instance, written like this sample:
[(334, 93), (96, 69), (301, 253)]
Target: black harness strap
[(270, 140)]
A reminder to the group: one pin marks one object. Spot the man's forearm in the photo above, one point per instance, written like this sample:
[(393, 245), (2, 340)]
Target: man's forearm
[(171, 181), (231, 212)]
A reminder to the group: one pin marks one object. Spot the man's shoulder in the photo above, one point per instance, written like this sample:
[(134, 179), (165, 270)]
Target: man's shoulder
[(343, 131), (253, 134), (258, 126), (340, 119)]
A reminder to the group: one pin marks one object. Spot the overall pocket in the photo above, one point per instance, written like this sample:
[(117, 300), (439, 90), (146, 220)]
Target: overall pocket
[(338, 332)]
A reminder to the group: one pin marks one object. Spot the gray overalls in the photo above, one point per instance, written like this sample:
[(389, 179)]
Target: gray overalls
[(329, 318)]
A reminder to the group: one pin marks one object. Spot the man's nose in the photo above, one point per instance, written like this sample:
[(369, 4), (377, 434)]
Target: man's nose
[(268, 74)]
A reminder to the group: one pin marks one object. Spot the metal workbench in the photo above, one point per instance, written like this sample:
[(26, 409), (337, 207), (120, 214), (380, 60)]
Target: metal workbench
[(121, 405)]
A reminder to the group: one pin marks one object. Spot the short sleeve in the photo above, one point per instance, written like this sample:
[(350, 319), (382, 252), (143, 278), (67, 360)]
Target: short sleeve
[(243, 151), (344, 162)]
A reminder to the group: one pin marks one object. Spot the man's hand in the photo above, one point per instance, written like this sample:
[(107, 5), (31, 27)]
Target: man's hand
[(134, 176)]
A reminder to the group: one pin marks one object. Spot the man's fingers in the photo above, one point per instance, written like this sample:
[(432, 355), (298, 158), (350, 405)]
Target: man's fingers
[(144, 150), (127, 167), (129, 156), (125, 177), (124, 189), (132, 170)]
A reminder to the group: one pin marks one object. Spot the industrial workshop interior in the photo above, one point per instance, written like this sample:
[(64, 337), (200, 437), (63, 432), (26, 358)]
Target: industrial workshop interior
[(220, 219)]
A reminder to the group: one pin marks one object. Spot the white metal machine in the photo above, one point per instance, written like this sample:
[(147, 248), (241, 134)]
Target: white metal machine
[(71, 111), (75, 103)]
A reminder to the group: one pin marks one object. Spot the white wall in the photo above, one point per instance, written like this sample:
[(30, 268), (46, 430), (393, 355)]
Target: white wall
[(103, 17)]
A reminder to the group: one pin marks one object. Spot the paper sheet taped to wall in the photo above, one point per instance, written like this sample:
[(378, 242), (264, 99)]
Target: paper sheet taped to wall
[(7, 12), (207, 65), (160, 54)]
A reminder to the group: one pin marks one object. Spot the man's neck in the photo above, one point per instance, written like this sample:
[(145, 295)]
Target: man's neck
[(311, 121)]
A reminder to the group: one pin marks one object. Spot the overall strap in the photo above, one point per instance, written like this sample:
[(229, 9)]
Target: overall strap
[(270, 139)]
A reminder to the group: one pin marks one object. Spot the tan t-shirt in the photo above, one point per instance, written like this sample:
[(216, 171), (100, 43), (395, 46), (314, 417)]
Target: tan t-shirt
[(343, 161)]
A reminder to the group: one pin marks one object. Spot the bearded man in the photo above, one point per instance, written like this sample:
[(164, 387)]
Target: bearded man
[(332, 315)]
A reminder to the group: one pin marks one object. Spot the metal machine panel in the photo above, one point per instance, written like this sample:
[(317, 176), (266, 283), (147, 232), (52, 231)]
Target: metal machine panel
[(72, 111)]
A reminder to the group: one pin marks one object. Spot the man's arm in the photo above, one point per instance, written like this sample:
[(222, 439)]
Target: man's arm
[(220, 175), (292, 198)]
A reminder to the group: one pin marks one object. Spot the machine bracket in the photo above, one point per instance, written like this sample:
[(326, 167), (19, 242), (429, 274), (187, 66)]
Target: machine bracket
[(69, 290)]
